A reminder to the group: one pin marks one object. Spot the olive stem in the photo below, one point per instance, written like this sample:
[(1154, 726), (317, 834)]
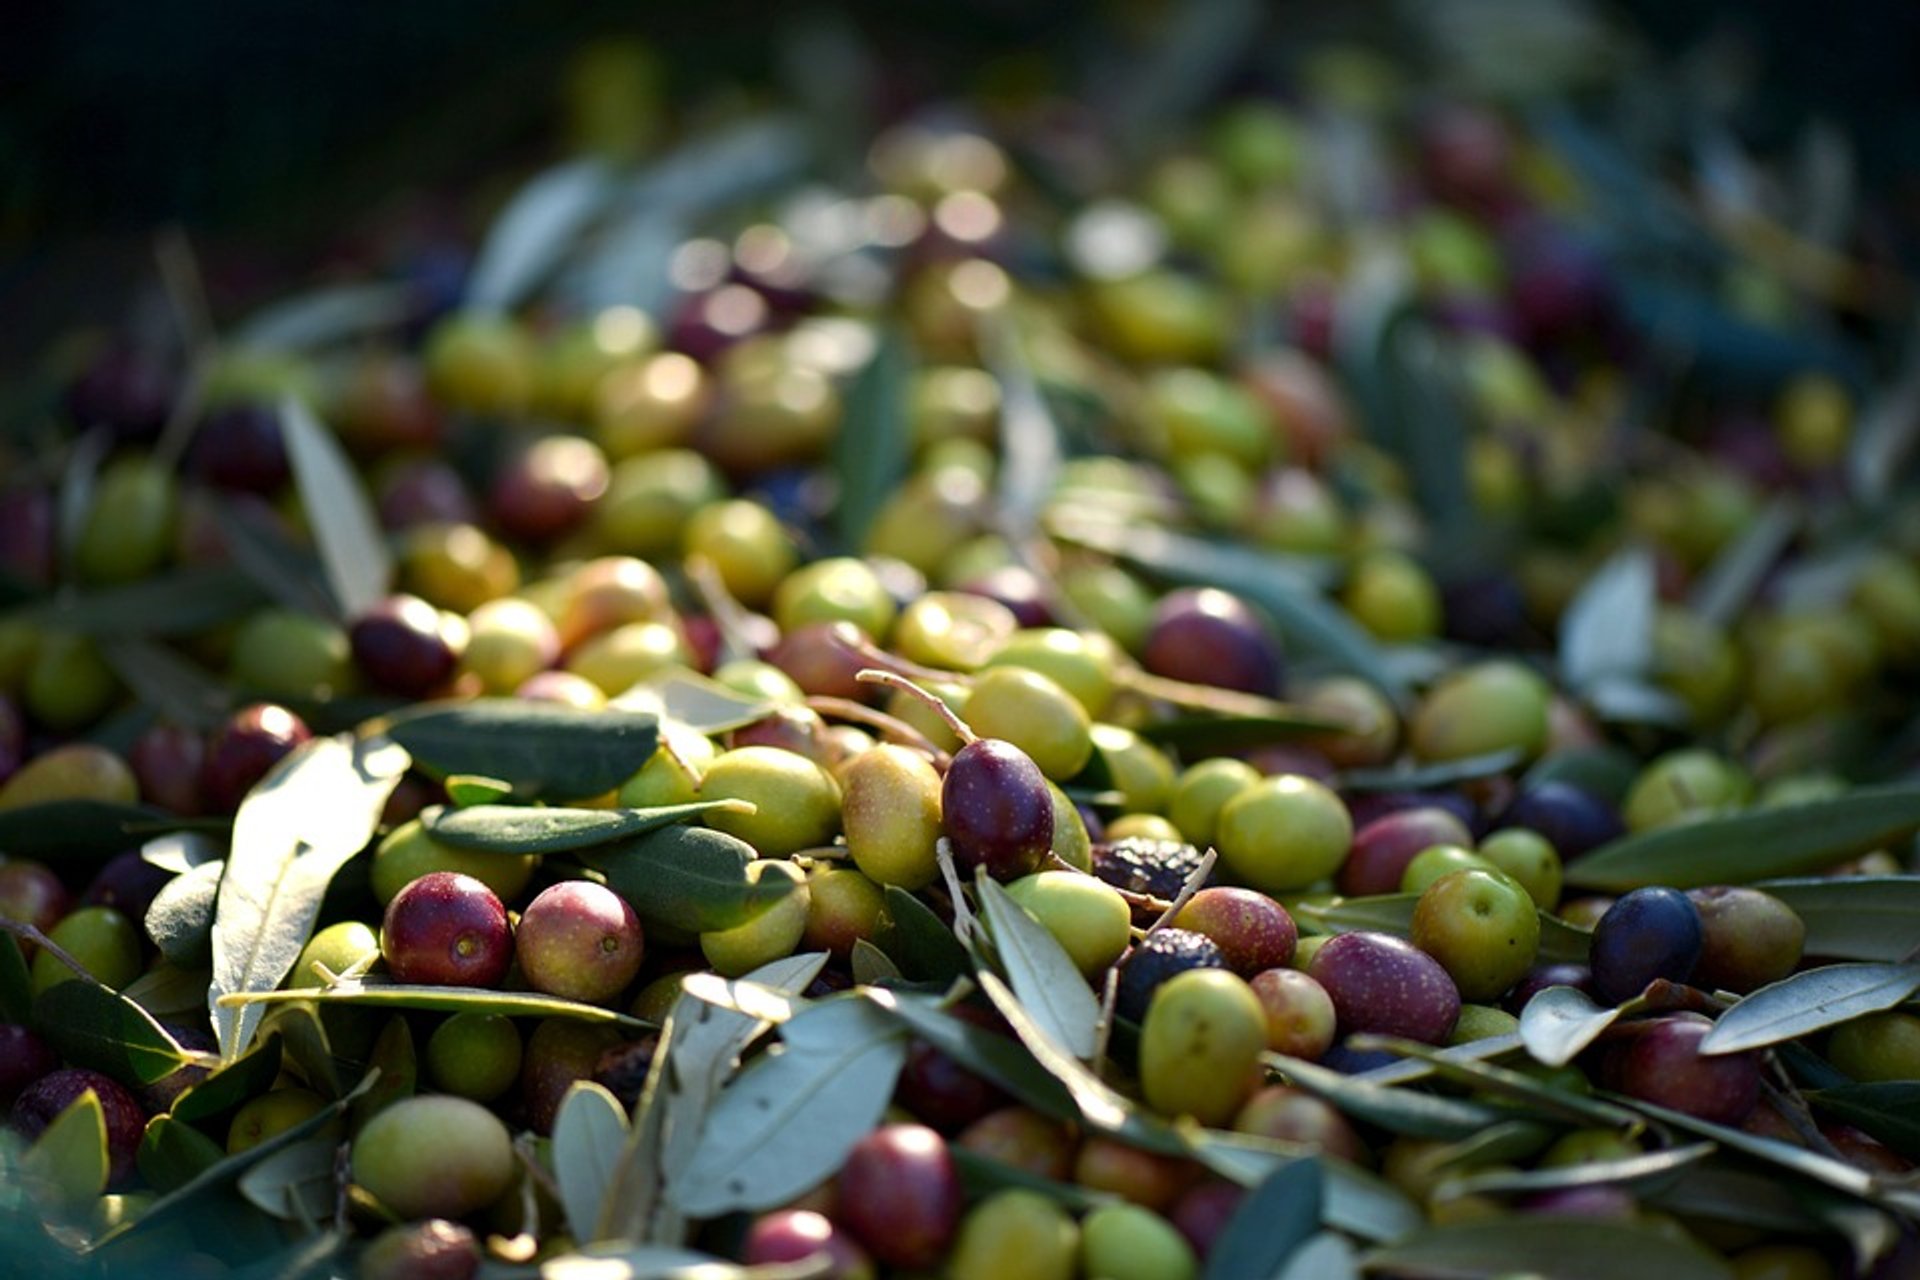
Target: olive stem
[(896, 729), (28, 933), (727, 613), (893, 680), (880, 659), (1103, 1029), (1226, 702), (1195, 879), (963, 925)]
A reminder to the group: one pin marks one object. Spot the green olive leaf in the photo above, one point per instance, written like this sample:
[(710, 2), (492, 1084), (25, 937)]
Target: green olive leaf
[(686, 698), (179, 602), (79, 829), (173, 1153), (296, 1183), (873, 446), (324, 316), (1810, 1001), (313, 811), (178, 689), (539, 225), (92, 1026), (792, 1116), (518, 829), (1759, 844), (1401, 1111), (541, 748), (70, 1155), (1607, 631), (1445, 773), (589, 1134), (692, 877), (1561, 1021), (1044, 977), (465, 789), (918, 940), (180, 919), (1564, 1248), (1271, 1222), (1353, 1200), (1515, 1088), (989, 1054), (1650, 1171), (246, 1077), (1887, 1109), (1327, 1255), (1854, 917), (376, 993), (1723, 589)]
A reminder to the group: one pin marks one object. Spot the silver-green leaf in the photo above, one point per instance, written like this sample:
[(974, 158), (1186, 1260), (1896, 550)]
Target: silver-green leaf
[(1045, 978), (589, 1133), (1810, 1001)]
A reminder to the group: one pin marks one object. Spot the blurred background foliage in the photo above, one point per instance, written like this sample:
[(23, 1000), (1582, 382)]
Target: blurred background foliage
[(274, 133)]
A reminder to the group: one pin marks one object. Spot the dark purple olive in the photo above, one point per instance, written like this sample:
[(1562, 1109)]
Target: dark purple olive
[(1573, 820), (1017, 587), (1206, 636), (27, 538), (996, 809), (128, 388), (241, 447), (1647, 934), (402, 645)]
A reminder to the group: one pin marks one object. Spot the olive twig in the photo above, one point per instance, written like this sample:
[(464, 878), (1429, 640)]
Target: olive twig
[(28, 933), (895, 729), (1103, 1028), (893, 680), (963, 924), (1196, 878)]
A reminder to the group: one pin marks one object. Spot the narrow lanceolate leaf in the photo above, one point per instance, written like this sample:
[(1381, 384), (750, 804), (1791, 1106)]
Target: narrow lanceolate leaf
[(1649, 1170), (176, 688), (67, 828), (875, 442), (1273, 1220), (246, 1077), (503, 828), (1608, 629), (173, 1153), (1029, 436), (312, 812), (1496, 1083), (1393, 913), (308, 321), (296, 1184), (792, 1117), (1446, 773), (1401, 1111), (375, 993), (1353, 1200), (177, 603), (352, 548), (1326, 1256), (691, 877), (536, 230), (699, 1046), (1887, 1109), (1559, 1248), (180, 919), (693, 701), (1045, 978), (918, 940), (70, 1155), (589, 1133), (986, 1053), (1760, 844), (1840, 1176), (1810, 1001), (92, 1026), (1306, 618), (541, 748), (1561, 1021), (1854, 917), (1723, 591)]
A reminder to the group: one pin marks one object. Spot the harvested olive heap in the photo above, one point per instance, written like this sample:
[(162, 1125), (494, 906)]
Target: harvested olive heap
[(1028, 707)]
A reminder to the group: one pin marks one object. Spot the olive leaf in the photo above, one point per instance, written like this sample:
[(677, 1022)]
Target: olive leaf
[(791, 1117), (353, 550), (1271, 1222), (1559, 1022), (93, 1026), (246, 1077), (322, 317), (1565, 1248), (1044, 977), (534, 232), (988, 1054), (1652, 1169), (180, 919), (61, 829), (70, 1155), (871, 964), (397, 1067), (1726, 585), (173, 1153), (699, 1045), (589, 1133), (169, 991), (1325, 1256), (1517, 1089), (1401, 1111), (504, 828), (377, 993), (1607, 631), (875, 440), (538, 747), (691, 877), (684, 697), (1444, 773), (1854, 917), (1887, 1109), (1353, 1200), (918, 940), (314, 810), (1784, 840), (178, 689), (178, 602), (1029, 435), (295, 1184), (1810, 1001)]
